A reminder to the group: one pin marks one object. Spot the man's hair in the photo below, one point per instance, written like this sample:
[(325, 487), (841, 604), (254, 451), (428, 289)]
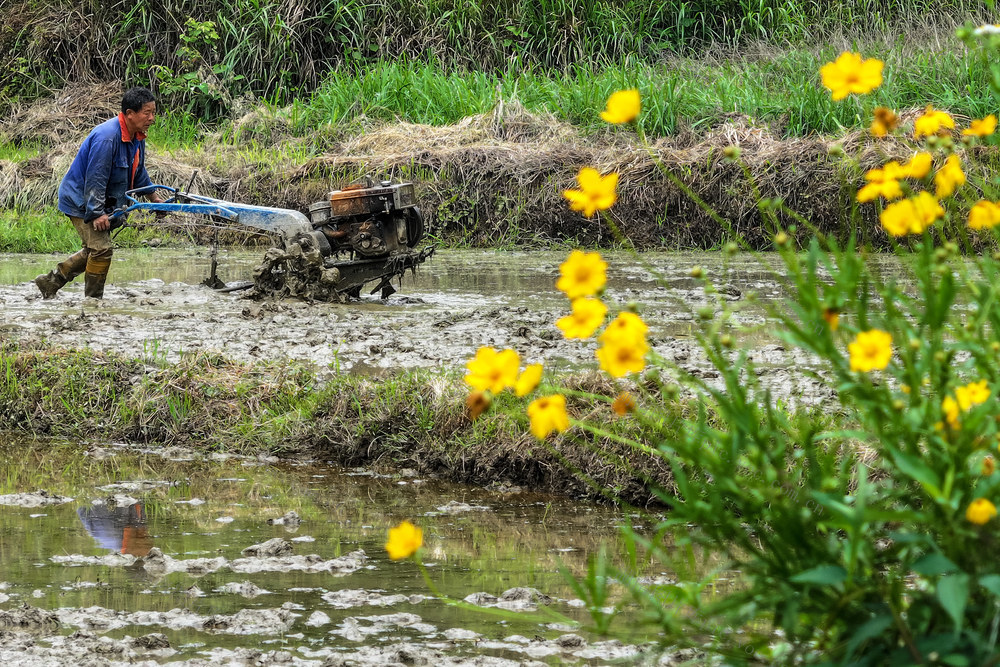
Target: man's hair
[(136, 98)]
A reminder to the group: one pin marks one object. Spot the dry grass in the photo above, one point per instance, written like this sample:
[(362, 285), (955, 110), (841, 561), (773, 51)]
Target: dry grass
[(496, 178)]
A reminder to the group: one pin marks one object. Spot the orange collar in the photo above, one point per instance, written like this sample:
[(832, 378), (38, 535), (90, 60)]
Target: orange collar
[(126, 137)]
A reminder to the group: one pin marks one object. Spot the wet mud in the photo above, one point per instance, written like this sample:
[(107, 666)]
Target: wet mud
[(160, 581), (456, 302)]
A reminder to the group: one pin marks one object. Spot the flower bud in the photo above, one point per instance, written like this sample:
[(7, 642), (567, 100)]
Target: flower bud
[(781, 239), (940, 254), (696, 272), (836, 150), (726, 341), (731, 248), (932, 142), (898, 405), (731, 152), (915, 344), (995, 346), (671, 391), (706, 313), (946, 143), (940, 356)]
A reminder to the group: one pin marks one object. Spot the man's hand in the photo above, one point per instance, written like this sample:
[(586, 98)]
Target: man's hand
[(157, 199), (102, 223)]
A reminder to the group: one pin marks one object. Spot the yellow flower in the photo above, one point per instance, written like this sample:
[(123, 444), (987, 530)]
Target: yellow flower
[(919, 166), (871, 350), (476, 403), (982, 128), (980, 511), (623, 404), (885, 121), (492, 371), (832, 318), (587, 315), (932, 122), (850, 74), (582, 274), (949, 177), (548, 414), (627, 328), (949, 406), (528, 380), (974, 393), (623, 107), (596, 192), (620, 357), (984, 215), (882, 182), (404, 540), (911, 216)]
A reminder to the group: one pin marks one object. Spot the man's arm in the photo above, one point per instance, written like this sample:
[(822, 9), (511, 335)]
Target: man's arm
[(95, 185)]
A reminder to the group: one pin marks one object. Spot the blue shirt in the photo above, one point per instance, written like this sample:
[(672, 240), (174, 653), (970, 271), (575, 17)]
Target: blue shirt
[(109, 162)]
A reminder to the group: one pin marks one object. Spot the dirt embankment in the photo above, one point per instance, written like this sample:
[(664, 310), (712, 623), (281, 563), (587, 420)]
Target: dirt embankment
[(494, 179)]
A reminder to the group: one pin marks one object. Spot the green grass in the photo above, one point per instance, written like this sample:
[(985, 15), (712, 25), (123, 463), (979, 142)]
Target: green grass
[(48, 230), (782, 89), (205, 54)]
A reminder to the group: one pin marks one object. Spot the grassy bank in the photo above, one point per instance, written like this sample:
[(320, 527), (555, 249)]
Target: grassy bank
[(412, 420)]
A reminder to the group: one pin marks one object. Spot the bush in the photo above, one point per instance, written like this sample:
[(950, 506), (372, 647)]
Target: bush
[(869, 543)]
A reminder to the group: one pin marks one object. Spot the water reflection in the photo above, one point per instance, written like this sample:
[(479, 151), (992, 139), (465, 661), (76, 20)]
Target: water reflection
[(121, 529)]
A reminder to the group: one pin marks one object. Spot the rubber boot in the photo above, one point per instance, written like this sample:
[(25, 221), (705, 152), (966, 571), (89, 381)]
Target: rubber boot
[(74, 265), (50, 283), (93, 285), (97, 273)]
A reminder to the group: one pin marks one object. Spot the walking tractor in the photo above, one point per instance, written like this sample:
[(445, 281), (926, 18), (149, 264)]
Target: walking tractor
[(365, 233)]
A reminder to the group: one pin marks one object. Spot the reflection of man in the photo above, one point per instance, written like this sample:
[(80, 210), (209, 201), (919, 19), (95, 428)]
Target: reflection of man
[(121, 529)]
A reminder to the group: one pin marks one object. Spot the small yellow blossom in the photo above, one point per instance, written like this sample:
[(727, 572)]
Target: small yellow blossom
[(919, 166), (588, 314), (620, 357), (883, 182), (911, 216), (623, 107), (548, 414), (989, 465), (582, 274), (885, 121), (404, 540), (850, 74), (932, 122), (596, 192), (627, 328), (476, 403), (980, 511), (949, 177), (974, 393), (832, 318), (949, 406), (871, 350), (528, 380), (492, 371), (981, 128), (984, 215), (623, 404)]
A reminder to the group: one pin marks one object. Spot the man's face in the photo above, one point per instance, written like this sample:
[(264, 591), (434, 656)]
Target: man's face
[(142, 119)]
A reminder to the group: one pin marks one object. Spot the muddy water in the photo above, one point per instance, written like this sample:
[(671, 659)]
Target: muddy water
[(456, 302), (172, 558)]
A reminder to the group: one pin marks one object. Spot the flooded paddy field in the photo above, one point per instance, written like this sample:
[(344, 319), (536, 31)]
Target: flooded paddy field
[(455, 303), (116, 556)]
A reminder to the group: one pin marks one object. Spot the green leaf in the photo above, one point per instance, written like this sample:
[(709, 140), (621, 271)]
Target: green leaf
[(953, 594), (991, 582), (916, 469), (933, 564), (868, 630), (823, 575)]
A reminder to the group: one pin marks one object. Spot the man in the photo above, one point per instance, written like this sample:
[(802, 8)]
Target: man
[(110, 161)]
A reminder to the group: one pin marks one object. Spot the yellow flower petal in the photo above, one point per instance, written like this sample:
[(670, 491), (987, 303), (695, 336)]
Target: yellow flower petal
[(404, 540), (548, 414), (528, 380), (871, 350), (623, 107)]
